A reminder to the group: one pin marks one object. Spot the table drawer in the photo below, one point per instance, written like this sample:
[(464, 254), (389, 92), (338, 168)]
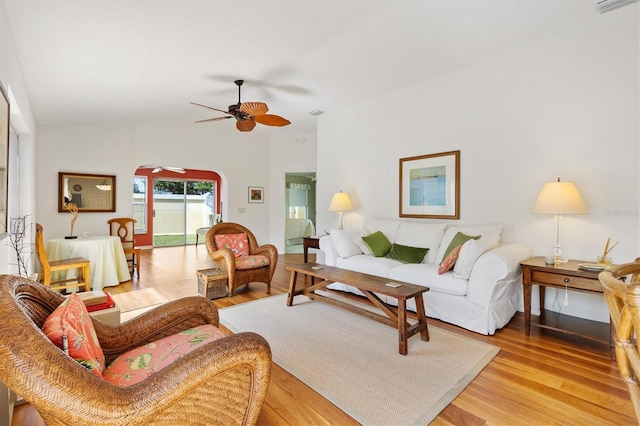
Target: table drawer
[(580, 283)]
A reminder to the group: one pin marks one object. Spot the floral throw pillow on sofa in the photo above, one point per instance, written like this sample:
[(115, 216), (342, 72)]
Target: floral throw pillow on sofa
[(238, 243)]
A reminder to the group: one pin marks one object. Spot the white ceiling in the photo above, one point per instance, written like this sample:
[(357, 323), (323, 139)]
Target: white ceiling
[(145, 60)]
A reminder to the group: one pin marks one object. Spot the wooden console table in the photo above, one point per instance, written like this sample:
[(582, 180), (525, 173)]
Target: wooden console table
[(563, 276)]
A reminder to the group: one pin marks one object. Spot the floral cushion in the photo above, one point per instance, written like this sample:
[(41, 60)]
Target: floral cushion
[(448, 262), (137, 364), (69, 327), (238, 243), (251, 262)]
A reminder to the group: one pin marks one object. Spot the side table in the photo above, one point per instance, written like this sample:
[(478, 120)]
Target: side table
[(563, 276), (309, 242)]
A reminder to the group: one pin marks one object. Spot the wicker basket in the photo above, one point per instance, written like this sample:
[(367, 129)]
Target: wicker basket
[(212, 283)]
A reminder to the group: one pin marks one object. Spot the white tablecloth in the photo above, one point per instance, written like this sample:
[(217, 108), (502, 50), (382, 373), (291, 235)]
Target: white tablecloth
[(108, 262)]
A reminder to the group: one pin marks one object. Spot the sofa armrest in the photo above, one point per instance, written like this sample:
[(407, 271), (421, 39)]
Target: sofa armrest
[(328, 249), (495, 268)]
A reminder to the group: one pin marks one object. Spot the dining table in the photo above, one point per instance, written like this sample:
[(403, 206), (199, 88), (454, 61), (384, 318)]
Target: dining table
[(108, 262)]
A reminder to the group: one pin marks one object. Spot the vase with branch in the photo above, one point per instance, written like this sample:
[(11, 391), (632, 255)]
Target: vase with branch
[(22, 247)]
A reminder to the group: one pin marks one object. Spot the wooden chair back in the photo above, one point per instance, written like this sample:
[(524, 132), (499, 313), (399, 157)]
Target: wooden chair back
[(80, 264), (622, 291), (124, 227)]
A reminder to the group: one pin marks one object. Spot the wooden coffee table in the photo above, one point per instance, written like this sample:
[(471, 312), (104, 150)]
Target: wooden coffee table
[(369, 285)]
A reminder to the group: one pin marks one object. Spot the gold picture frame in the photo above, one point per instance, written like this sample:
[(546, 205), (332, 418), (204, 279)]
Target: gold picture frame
[(89, 192), (430, 186)]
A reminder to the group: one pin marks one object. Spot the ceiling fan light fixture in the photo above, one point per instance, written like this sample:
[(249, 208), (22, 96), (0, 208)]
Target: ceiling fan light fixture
[(247, 114)]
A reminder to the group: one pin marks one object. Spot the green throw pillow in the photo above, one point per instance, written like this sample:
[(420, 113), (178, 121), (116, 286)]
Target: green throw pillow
[(378, 243), (407, 254), (458, 240)]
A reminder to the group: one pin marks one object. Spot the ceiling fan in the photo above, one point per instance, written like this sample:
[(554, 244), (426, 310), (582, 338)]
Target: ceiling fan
[(247, 114), (158, 169)]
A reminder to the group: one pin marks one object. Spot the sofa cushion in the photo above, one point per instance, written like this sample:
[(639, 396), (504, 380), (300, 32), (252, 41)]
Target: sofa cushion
[(344, 242), (448, 262), (364, 248), (489, 233), (458, 240), (417, 234), (378, 243), (237, 243), (137, 364), (470, 252), (427, 275), (69, 327), (379, 266), (406, 254)]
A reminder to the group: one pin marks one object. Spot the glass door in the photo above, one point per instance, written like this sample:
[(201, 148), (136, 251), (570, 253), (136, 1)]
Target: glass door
[(180, 207)]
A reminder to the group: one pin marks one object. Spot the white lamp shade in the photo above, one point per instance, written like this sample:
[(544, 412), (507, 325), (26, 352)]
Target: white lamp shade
[(340, 202), (559, 198)]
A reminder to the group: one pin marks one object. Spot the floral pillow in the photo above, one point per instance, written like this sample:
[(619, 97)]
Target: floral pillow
[(69, 327), (238, 243), (137, 364), (448, 262)]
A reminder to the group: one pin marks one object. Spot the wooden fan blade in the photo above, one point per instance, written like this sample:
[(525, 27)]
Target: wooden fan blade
[(246, 125), (214, 119), (272, 120), (254, 108), (208, 107)]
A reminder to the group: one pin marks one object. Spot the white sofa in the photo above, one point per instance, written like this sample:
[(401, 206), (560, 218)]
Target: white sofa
[(481, 293)]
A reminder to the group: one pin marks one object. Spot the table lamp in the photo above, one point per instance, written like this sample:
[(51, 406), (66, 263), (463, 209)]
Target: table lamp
[(559, 198), (340, 203)]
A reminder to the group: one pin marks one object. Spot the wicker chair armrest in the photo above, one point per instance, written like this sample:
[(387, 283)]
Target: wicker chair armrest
[(170, 318), (224, 255), (225, 382), (268, 250)]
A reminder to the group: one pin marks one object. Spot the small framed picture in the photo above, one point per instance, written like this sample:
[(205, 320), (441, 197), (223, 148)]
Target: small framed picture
[(256, 194)]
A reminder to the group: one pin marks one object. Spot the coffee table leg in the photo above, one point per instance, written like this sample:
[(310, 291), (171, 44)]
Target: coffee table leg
[(422, 318), (292, 287), (402, 326)]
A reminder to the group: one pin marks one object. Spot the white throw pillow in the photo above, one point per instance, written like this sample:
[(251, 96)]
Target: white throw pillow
[(344, 241), (489, 234), (469, 253), (363, 246)]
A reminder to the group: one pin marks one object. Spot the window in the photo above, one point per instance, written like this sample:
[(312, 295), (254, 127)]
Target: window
[(140, 203)]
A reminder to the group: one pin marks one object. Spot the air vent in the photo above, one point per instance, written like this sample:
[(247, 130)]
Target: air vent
[(316, 112)]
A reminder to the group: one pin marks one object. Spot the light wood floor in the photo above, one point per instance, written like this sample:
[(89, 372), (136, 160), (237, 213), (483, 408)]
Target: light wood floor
[(542, 379)]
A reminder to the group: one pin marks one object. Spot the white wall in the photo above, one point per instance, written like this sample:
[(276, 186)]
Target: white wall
[(24, 124), (566, 107)]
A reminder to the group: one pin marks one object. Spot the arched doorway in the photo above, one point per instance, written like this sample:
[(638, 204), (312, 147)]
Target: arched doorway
[(169, 206)]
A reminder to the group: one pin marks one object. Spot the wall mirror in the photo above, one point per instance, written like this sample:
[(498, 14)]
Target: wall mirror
[(89, 192)]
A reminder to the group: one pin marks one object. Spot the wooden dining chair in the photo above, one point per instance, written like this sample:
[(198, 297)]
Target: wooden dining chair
[(124, 227), (82, 265)]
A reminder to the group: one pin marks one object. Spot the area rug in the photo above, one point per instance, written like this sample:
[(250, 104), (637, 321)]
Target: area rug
[(134, 303), (354, 362)]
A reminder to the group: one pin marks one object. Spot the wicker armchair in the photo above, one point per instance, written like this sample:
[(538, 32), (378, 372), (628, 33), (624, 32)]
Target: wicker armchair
[(623, 300), (224, 382), (227, 262)]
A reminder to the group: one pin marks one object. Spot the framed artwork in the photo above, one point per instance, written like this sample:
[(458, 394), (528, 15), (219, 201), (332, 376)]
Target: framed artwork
[(430, 186), (256, 194), (89, 192), (4, 158)]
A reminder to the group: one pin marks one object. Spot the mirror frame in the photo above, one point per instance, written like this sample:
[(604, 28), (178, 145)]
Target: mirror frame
[(110, 179)]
